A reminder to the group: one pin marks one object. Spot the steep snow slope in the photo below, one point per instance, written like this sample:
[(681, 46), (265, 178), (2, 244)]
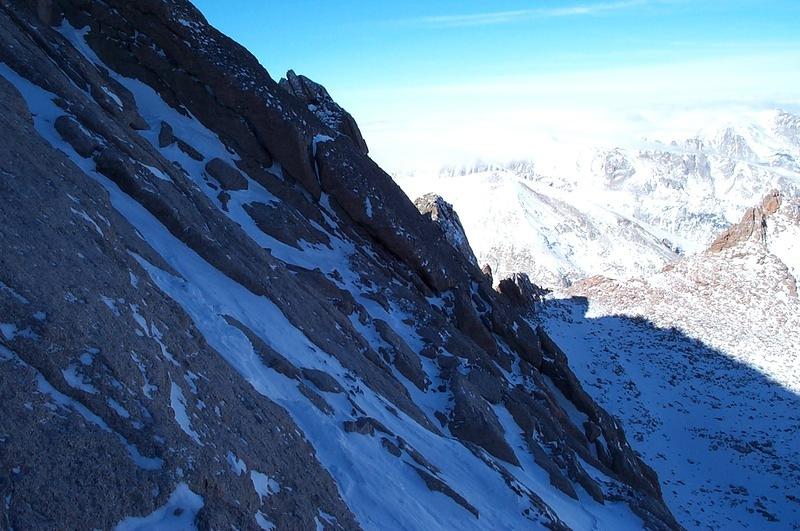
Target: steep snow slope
[(701, 362), (617, 212), (216, 312)]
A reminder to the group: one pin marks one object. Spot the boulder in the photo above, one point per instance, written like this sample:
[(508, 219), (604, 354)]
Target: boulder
[(474, 420), (81, 140), (317, 100), (444, 215), (322, 380), (226, 175), (165, 135)]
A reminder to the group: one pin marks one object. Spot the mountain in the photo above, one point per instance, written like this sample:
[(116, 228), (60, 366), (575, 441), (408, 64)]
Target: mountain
[(620, 212), (217, 312), (700, 362)]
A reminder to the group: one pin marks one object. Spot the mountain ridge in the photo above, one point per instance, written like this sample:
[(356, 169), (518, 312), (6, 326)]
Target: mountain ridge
[(217, 311)]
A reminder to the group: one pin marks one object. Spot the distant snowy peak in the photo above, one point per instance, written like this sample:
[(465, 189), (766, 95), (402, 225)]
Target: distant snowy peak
[(620, 212), (788, 126), (555, 236)]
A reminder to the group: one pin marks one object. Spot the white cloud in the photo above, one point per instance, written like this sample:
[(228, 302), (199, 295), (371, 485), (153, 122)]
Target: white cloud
[(504, 17), (544, 115)]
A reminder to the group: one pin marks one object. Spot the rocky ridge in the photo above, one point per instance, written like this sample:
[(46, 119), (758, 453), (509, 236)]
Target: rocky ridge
[(218, 312), (442, 213)]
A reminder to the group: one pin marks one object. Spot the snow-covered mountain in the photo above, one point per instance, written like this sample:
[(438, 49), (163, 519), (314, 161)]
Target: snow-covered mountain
[(618, 212), (702, 362), (217, 312)]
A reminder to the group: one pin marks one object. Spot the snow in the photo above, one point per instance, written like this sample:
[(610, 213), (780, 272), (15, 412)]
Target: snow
[(238, 466), (595, 210), (700, 364), (118, 408), (113, 96), (111, 304), (178, 404), (78, 381), (178, 514), (158, 173), (9, 330), (264, 485), (263, 522)]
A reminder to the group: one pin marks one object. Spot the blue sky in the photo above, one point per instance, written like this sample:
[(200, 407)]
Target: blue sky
[(414, 66)]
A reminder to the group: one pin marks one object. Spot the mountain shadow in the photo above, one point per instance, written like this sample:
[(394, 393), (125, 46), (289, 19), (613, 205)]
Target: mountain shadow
[(723, 436)]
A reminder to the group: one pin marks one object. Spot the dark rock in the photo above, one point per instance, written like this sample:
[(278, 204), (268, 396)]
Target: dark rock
[(81, 140), (521, 291), (487, 271), (490, 386), (189, 150), (444, 215), (318, 101), (365, 426), (391, 447), (322, 380), (318, 401), (223, 198), (285, 225), (469, 322), (48, 12), (165, 135), (229, 177), (592, 430), (435, 484), (474, 420), (405, 359)]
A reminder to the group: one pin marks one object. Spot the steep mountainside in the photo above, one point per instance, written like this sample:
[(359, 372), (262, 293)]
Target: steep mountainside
[(216, 311), (701, 362), (618, 212)]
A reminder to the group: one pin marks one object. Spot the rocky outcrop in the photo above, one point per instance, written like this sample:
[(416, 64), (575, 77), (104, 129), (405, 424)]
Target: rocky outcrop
[(752, 227), (229, 346), (521, 291), (318, 101), (226, 175), (473, 420), (442, 213)]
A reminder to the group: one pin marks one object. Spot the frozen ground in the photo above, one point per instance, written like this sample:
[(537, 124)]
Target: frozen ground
[(701, 364)]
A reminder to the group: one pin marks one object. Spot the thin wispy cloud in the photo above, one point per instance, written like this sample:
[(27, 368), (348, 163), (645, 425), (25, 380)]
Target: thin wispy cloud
[(505, 17)]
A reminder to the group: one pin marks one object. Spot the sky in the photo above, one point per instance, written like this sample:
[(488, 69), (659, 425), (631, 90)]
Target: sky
[(448, 82)]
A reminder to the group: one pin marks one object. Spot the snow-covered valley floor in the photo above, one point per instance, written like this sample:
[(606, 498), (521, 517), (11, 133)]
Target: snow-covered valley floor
[(723, 437)]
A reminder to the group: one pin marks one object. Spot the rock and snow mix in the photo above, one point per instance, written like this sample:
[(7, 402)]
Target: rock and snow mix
[(217, 311), (701, 363)]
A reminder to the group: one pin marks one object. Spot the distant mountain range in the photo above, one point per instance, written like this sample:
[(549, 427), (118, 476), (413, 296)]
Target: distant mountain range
[(617, 212)]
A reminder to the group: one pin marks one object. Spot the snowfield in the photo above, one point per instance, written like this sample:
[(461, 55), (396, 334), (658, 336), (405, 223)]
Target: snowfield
[(701, 362), (618, 212)]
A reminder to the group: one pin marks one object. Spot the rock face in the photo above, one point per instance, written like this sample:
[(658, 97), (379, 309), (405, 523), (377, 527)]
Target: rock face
[(521, 291), (279, 353), (753, 226), (443, 214), (318, 101)]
